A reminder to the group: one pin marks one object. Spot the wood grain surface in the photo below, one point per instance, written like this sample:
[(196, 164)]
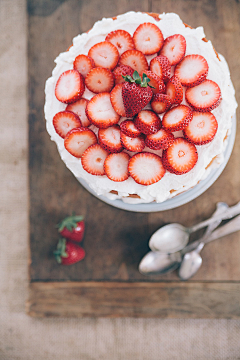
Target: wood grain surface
[(115, 239)]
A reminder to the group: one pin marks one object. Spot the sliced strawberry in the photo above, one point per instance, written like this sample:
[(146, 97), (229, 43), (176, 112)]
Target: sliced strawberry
[(93, 159), (146, 168), (100, 111), (174, 48), (64, 121), (116, 166), (129, 129), (192, 70), (174, 90), (202, 129), (121, 39), (177, 118), (180, 157), (69, 87), (83, 64), (117, 100), (135, 59), (104, 54), (99, 80), (160, 140), (79, 108), (109, 139), (136, 144), (121, 71), (148, 38), (160, 103), (155, 82), (78, 140), (160, 65), (205, 96), (147, 122)]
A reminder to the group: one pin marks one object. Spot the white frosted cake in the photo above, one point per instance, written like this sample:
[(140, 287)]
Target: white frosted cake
[(163, 180)]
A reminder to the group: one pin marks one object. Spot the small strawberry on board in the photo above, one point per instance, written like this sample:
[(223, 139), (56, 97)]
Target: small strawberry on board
[(68, 252), (72, 227)]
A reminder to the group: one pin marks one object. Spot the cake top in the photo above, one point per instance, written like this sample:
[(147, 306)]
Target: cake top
[(162, 77)]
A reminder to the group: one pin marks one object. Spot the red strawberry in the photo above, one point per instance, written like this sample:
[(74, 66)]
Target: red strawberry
[(72, 228), (155, 82), (136, 144), (148, 38), (68, 252), (104, 54), (136, 93), (204, 97), (192, 70), (129, 129), (78, 140), (121, 39), (100, 111), (160, 103), (116, 166), (64, 121), (83, 64), (174, 48), (180, 157), (147, 122), (146, 168), (99, 80), (69, 87), (117, 100), (135, 59), (174, 90), (202, 129), (160, 65), (122, 70), (160, 140), (79, 108), (109, 139), (177, 118), (93, 159)]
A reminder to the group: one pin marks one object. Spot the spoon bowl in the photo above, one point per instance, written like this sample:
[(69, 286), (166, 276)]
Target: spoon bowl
[(159, 263), (169, 238)]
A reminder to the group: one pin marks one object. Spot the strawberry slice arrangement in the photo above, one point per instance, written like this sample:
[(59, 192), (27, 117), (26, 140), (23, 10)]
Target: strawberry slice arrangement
[(144, 90)]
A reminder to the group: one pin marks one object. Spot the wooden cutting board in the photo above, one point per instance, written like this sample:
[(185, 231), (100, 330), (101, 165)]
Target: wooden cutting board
[(107, 281)]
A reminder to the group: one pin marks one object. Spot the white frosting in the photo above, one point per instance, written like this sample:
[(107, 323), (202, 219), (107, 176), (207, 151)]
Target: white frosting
[(218, 71)]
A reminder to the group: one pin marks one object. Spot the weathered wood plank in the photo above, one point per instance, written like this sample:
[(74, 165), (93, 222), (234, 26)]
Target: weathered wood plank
[(139, 299), (107, 282)]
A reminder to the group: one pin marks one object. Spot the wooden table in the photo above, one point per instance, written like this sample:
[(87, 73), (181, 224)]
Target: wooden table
[(107, 282)]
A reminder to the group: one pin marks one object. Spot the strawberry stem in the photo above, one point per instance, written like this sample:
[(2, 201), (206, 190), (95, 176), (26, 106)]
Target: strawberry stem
[(60, 252), (136, 78), (70, 222)]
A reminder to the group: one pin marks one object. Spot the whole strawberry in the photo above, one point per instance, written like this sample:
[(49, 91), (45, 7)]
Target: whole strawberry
[(136, 93), (72, 228), (68, 253)]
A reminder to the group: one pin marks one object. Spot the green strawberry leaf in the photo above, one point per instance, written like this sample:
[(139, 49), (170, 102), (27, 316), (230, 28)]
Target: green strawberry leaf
[(70, 222), (128, 78), (60, 252)]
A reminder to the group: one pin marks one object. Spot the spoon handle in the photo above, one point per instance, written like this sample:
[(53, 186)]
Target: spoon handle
[(228, 214), (229, 228)]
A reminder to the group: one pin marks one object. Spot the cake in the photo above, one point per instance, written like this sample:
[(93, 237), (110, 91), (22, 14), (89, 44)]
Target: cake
[(142, 167)]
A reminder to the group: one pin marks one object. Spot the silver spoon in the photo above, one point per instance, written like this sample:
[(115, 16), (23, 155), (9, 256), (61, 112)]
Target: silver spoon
[(155, 260), (192, 261), (174, 237), (169, 262)]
